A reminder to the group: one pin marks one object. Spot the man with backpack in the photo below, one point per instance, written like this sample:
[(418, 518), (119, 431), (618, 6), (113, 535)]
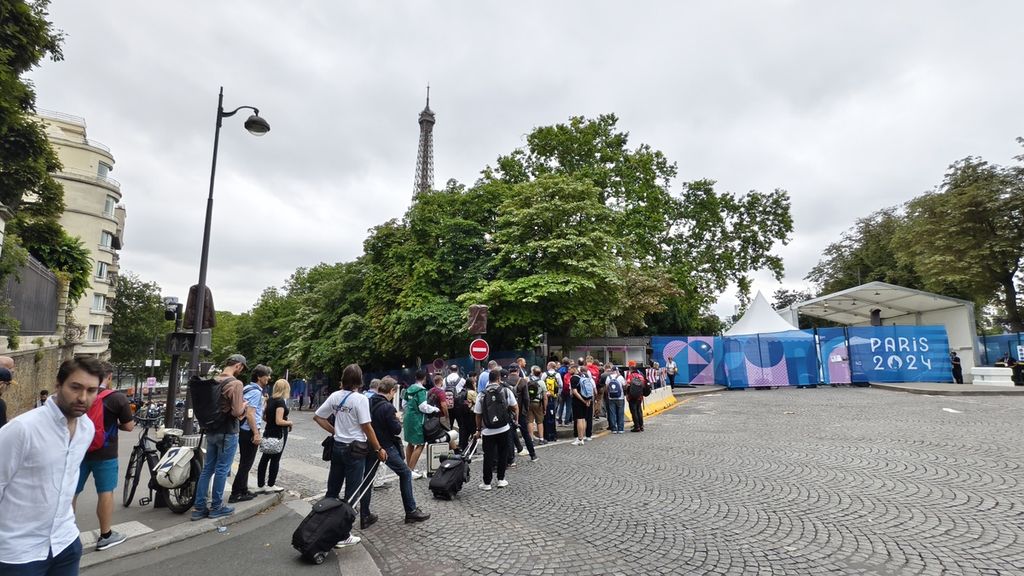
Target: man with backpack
[(583, 389), (523, 398), (615, 390), (565, 395), (109, 413), (249, 435), (218, 407), (537, 393), (636, 389), (553, 384), (495, 407), (509, 379)]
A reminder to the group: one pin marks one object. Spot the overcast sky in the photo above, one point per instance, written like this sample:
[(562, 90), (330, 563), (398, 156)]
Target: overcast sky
[(850, 107)]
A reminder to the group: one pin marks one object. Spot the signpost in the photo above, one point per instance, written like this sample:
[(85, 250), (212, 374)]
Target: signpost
[(479, 349)]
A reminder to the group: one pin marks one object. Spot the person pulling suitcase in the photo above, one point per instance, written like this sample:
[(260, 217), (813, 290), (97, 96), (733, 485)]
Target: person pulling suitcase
[(330, 522), (352, 438)]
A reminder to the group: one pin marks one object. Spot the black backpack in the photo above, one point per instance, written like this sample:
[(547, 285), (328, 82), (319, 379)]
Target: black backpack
[(534, 390), (636, 388), (495, 407), (206, 396), (462, 398)]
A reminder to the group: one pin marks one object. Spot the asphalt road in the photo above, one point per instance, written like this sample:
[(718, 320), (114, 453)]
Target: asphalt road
[(825, 481)]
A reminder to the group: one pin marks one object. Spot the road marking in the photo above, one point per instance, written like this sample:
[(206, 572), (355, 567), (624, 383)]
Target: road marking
[(951, 411), (129, 529), (296, 437)]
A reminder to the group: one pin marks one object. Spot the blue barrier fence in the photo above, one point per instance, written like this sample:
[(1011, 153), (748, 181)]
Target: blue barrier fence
[(806, 357)]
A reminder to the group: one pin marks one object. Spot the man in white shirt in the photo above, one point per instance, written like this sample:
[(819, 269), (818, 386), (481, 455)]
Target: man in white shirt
[(354, 437), (45, 446)]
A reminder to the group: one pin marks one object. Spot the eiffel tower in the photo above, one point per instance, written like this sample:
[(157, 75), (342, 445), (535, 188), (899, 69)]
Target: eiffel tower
[(425, 156)]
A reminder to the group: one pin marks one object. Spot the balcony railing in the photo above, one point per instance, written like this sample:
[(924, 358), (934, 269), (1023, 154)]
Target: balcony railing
[(62, 116), (83, 174)]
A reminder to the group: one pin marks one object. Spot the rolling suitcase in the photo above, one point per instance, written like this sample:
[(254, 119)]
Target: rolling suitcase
[(550, 431), (452, 473), (329, 522)]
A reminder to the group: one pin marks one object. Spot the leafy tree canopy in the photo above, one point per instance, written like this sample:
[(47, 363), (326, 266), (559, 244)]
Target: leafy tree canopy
[(138, 323), (868, 252), (966, 239)]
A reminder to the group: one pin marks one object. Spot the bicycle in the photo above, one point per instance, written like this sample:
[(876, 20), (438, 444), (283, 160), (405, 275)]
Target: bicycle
[(148, 451)]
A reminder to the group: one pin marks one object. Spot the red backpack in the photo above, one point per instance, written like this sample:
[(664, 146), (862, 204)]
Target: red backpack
[(95, 414)]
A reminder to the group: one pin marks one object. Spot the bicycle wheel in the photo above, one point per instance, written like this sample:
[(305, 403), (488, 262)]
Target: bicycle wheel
[(181, 499), (132, 473)]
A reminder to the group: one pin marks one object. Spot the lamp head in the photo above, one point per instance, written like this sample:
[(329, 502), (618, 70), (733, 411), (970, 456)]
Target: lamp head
[(257, 126)]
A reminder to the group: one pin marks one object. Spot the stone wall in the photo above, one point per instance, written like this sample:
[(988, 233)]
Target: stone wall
[(34, 370)]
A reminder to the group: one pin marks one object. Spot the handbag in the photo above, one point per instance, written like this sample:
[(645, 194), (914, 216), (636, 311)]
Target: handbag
[(271, 445), (328, 445), (359, 448), (328, 442)]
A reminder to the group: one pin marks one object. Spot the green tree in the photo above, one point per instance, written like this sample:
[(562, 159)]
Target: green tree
[(224, 337), (701, 240), (138, 322), (721, 237), (867, 252), (331, 328), (65, 254), (634, 183), (966, 239), (265, 332)]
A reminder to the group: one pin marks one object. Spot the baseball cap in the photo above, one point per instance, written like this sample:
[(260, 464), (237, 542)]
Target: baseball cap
[(236, 359), (5, 375)]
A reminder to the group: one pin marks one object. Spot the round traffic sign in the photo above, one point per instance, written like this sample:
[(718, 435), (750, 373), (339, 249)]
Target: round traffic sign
[(479, 349)]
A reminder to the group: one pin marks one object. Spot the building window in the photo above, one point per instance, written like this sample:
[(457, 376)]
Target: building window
[(106, 239), (99, 303), (108, 208), (101, 270), (103, 170), (95, 332)]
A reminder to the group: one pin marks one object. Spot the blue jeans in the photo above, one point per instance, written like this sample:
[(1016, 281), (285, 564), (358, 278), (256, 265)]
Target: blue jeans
[(345, 468), (63, 564), (397, 464), (564, 410), (616, 414), (220, 451)]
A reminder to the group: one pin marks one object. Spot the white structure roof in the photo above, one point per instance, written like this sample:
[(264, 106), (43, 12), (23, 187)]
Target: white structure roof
[(853, 306), (759, 319)]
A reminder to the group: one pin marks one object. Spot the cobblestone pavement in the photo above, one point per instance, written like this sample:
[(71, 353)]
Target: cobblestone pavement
[(818, 481)]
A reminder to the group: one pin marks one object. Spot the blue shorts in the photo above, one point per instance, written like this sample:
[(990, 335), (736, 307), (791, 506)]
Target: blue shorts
[(104, 471)]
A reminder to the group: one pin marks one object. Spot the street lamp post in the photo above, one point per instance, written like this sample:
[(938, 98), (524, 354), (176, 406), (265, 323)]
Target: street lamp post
[(258, 127)]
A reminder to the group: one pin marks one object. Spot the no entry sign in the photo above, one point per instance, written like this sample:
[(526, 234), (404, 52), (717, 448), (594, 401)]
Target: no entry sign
[(479, 349)]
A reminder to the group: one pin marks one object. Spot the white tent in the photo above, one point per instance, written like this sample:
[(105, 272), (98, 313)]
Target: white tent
[(760, 318)]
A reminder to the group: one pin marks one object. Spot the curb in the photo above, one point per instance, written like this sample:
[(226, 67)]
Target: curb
[(966, 392), (183, 531), (690, 392)]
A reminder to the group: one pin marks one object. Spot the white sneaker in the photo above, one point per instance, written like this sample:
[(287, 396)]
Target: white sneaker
[(348, 541), (501, 483), (416, 474), (577, 442), (485, 487), (273, 489), (522, 452), (587, 439)]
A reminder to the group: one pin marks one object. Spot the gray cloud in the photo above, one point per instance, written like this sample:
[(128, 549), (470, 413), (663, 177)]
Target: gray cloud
[(851, 107)]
